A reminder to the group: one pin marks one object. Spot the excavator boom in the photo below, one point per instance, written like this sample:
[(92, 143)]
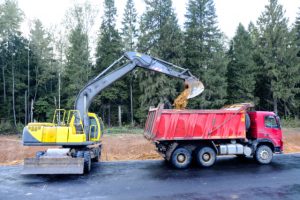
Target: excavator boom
[(129, 61)]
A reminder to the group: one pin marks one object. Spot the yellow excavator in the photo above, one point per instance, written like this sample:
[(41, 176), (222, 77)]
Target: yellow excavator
[(78, 132)]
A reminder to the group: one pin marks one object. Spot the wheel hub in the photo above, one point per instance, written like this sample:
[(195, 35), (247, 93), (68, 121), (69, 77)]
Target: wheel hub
[(264, 154), (206, 157), (181, 158)]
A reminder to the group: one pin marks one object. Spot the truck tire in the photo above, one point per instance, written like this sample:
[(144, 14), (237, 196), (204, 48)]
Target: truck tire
[(263, 154), (181, 158), (205, 156), (87, 161)]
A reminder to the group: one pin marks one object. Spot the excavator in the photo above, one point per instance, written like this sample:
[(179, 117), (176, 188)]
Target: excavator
[(78, 132)]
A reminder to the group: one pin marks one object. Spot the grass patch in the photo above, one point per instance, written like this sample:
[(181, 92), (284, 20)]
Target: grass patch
[(123, 130), (290, 122)]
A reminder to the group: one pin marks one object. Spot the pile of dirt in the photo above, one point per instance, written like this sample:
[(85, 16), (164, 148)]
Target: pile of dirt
[(127, 147)]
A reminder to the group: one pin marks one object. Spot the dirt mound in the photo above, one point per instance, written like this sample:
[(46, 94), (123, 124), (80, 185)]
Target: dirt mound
[(127, 147)]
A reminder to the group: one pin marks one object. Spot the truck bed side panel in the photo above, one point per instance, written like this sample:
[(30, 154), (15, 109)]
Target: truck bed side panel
[(194, 124)]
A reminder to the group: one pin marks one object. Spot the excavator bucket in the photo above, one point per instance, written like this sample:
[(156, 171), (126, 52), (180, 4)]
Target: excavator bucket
[(45, 165), (195, 87)]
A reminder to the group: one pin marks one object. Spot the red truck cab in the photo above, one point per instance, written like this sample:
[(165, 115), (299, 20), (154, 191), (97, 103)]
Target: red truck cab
[(265, 127), (181, 135)]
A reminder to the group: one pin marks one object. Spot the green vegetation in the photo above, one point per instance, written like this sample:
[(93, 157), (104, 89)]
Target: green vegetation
[(289, 122), (205, 53), (46, 69), (123, 130)]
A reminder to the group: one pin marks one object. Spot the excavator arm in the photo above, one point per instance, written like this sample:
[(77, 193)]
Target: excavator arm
[(128, 62)]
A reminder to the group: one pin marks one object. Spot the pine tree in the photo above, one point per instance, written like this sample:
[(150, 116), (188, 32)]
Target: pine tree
[(109, 43), (129, 29), (278, 76), (78, 60), (42, 71), (129, 34), (241, 68), (109, 48), (205, 54), (297, 32), (10, 54), (296, 43), (160, 37)]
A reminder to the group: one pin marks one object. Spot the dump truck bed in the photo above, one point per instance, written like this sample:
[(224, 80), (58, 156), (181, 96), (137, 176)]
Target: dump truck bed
[(171, 124)]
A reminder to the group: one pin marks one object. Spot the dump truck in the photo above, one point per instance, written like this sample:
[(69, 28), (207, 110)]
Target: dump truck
[(183, 135), (78, 132)]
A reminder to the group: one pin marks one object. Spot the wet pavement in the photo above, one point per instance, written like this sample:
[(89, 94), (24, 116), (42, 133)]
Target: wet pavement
[(230, 178)]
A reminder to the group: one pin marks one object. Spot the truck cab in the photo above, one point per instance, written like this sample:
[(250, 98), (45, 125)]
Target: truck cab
[(265, 128)]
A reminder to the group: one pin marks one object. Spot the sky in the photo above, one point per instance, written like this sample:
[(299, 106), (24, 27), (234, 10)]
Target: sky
[(229, 12)]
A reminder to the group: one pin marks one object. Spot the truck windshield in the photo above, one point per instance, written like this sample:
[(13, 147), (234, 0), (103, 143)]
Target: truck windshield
[(270, 122)]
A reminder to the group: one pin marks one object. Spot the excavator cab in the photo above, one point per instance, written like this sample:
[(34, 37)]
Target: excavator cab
[(65, 129)]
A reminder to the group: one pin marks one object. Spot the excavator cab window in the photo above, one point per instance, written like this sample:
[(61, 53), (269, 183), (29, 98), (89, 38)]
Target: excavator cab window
[(59, 117), (74, 117), (93, 128)]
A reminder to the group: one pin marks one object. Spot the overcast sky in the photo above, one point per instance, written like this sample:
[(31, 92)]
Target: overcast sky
[(230, 12)]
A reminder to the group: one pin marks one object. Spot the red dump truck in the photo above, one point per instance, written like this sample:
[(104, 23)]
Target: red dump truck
[(181, 135)]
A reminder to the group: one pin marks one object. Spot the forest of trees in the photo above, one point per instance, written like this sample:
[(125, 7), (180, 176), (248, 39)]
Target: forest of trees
[(46, 70)]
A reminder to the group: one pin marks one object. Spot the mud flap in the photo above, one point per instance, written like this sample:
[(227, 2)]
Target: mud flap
[(50, 165)]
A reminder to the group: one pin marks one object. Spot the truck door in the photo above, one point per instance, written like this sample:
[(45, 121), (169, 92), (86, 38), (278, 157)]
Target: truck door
[(272, 129)]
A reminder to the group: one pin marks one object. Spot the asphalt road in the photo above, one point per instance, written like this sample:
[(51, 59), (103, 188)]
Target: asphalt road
[(230, 178)]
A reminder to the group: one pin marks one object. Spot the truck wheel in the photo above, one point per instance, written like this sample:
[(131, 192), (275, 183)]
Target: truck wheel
[(263, 154), (87, 161), (181, 158), (205, 157)]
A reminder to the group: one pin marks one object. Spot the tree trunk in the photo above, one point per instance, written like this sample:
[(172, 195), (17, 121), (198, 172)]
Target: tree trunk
[(26, 108), (120, 115), (36, 83), (275, 104), (28, 83), (108, 115), (131, 102), (4, 86), (13, 91)]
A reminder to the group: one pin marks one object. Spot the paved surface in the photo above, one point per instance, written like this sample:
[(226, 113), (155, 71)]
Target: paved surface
[(230, 178)]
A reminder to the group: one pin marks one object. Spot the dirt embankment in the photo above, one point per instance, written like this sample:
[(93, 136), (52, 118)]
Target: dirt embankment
[(117, 147), (291, 140)]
